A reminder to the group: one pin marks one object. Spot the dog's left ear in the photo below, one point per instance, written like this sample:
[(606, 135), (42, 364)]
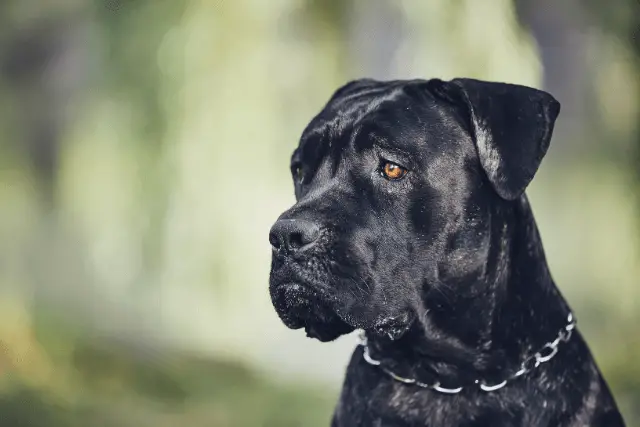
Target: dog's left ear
[(511, 125)]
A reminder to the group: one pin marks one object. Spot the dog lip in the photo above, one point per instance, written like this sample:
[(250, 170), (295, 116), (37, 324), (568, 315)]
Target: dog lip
[(293, 285), (301, 287), (298, 293), (301, 300)]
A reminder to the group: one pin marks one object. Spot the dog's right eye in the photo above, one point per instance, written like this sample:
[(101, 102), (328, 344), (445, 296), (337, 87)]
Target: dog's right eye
[(298, 175)]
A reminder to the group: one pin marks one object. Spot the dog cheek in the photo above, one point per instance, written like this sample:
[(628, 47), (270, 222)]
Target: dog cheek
[(425, 213), (397, 282), (466, 255)]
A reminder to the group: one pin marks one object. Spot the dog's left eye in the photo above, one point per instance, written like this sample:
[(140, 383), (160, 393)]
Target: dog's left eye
[(392, 171)]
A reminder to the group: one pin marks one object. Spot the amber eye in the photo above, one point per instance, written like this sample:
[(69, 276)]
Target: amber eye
[(393, 171)]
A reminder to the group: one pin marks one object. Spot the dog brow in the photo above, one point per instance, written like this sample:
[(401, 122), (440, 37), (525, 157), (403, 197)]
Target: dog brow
[(382, 142)]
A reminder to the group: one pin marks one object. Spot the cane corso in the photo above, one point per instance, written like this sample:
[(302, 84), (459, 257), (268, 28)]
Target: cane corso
[(411, 225)]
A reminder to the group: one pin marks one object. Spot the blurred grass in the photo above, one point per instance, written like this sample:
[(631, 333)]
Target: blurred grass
[(106, 383)]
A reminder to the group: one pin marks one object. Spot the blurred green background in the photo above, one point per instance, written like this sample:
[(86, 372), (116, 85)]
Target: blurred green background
[(144, 149)]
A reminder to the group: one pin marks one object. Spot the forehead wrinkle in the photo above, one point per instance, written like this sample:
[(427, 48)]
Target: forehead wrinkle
[(369, 89), (353, 140), (404, 127), (324, 144), (341, 129), (356, 94), (366, 117), (344, 118), (384, 142), (360, 107)]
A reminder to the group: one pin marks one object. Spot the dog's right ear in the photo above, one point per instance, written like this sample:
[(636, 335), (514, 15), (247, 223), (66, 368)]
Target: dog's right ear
[(511, 126)]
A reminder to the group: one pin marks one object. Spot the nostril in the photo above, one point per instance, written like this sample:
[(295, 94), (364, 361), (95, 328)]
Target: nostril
[(297, 240), (274, 240)]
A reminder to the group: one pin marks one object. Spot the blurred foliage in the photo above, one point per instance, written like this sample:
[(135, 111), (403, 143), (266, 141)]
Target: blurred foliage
[(144, 154), (113, 387), (621, 21)]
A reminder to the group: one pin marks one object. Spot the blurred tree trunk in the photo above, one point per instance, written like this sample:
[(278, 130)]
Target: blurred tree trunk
[(376, 31), (43, 68), (42, 64), (558, 28), (621, 19)]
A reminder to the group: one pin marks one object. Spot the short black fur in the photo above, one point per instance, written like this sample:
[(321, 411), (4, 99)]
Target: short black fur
[(444, 268)]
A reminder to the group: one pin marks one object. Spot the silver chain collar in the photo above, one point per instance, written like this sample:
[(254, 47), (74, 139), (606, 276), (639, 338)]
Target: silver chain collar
[(546, 353)]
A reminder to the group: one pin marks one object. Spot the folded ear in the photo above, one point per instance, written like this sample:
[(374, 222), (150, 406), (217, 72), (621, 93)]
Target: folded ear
[(511, 126)]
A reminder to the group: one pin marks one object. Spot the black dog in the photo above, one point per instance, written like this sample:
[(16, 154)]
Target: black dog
[(411, 224)]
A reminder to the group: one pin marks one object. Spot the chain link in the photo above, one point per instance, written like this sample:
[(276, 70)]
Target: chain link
[(545, 354)]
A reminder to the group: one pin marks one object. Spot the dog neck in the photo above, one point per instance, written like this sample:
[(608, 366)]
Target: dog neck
[(461, 338)]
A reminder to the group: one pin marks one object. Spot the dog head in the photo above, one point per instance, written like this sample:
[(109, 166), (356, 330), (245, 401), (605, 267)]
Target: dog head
[(395, 185)]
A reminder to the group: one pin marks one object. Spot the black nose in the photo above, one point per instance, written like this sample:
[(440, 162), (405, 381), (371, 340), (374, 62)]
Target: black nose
[(293, 234)]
